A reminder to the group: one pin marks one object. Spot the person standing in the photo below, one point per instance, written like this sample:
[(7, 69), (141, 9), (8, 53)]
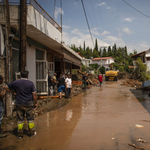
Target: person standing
[(100, 78), (61, 84), (68, 84), (50, 85), (55, 83), (25, 95), (2, 94), (84, 78)]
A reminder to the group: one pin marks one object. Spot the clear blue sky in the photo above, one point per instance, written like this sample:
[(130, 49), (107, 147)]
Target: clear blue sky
[(111, 21)]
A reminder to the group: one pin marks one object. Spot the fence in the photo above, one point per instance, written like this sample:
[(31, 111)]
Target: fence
[(38, 8)]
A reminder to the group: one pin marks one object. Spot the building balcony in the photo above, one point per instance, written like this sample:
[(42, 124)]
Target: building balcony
[(40, 25)]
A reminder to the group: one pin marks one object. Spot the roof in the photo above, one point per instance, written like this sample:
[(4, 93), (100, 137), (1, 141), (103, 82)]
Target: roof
[(138, 54), (79, 54), (131, 66), (102, 58)]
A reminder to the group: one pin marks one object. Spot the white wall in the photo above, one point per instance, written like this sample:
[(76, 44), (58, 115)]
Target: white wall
[(37, 20), (31, 63), (104, 61)]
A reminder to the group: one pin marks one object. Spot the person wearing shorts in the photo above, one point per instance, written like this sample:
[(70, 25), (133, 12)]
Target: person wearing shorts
[(61, 83)]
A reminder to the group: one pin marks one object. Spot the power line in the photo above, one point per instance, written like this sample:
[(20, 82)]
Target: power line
[(136, 9), (87, 22)]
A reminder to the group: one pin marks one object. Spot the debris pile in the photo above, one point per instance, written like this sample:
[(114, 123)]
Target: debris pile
[(132, 83), (122, 75), (92, 78)]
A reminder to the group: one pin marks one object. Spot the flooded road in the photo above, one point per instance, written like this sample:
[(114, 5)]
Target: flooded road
[(101, 118)]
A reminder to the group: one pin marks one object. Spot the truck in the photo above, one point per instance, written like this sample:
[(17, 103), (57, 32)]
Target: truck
[(111, 74)]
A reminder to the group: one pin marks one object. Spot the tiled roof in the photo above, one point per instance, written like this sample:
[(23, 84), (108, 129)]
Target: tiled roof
[(102, 58)]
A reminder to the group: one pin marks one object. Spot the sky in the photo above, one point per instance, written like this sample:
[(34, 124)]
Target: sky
[(110, 21)]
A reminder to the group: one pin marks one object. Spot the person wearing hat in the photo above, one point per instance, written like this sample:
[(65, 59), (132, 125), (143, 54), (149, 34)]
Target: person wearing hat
[(2, 94)]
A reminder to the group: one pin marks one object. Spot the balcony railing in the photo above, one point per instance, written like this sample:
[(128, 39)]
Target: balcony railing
[(38, 8)]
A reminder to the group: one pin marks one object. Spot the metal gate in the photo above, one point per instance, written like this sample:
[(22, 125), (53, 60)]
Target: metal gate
[(41, 77), (51, 68)]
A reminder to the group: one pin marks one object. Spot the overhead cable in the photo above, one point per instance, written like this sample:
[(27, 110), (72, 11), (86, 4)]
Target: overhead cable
[(136, 9), (87, 22)]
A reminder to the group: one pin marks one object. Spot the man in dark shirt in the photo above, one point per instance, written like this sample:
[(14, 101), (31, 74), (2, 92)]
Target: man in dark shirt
[(25, 94), (2, 94), (61, 83)]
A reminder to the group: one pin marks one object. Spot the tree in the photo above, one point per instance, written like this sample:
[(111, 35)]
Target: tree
[(84, 46), (104, 52), (100, 52), (102, 70), (96, 45), (95, 54), (94, 66), (109, 51), (140, 71), (114, 49), (88, 53)]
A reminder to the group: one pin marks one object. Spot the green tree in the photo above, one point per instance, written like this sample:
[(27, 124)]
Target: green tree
[(140, 71), (104, 52), (88, 53), (84, 46), (96, 45), (100, 52), (114, 49), (109, 51), (95, 54), (94, 66), (102, 70)]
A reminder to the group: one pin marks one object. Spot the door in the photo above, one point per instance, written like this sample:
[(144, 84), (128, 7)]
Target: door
[(41, 77)]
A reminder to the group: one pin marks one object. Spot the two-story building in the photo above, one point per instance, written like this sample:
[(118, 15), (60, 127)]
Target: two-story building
[(103, 61), (45, 48), (145, 57), (86, 62)]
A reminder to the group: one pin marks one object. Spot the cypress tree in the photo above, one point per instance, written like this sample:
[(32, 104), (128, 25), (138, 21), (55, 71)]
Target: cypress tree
[(96, 45)]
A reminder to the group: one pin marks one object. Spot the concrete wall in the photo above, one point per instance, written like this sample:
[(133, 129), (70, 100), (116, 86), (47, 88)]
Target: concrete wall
[(38, 21), (34, 18), (31, 63)]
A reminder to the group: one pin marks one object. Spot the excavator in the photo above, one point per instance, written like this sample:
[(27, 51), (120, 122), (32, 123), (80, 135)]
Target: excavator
[(111, 74)]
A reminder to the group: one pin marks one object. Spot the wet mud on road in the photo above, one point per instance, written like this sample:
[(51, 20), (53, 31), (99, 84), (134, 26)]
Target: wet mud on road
[(101, 118)]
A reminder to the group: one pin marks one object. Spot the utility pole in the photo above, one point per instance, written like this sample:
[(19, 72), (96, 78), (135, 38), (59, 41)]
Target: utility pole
[(22, 48), (61, 21), (8, 63)]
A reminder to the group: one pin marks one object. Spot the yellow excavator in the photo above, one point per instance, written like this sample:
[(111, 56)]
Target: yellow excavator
[(111, 74)]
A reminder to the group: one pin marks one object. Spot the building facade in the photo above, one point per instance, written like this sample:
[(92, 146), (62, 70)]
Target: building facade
[(145, 57), (45, 49), (104, 61)]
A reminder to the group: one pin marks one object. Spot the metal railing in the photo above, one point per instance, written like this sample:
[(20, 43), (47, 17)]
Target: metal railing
[(38, 8)]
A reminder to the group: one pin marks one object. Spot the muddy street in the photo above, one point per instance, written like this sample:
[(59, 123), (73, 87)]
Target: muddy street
[(101, 118)]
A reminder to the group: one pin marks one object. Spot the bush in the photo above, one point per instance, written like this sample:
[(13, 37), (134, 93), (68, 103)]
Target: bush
[(121, 69), (102, 70)]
